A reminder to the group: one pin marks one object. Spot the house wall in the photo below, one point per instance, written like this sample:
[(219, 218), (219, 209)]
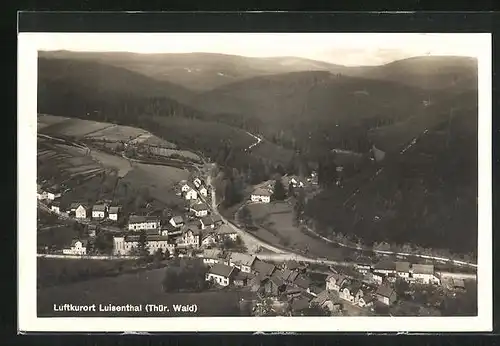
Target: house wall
[(384, 300), (403, 275), (191, 194), (263, 199), (426, 278), (221, 280), (201, 213), (80, 213), (144, 225), (122, 247), (78, 249), (113, 217), (384, 271), (185, 188), (55, 209), (98, 214)]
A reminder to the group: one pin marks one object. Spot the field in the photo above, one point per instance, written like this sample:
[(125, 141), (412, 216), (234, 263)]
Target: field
[(47, 120), (159, 180), (141, 288), (72, 127), (275, 221), (172, 153), (114, 162), (58, 236), (64, 161)]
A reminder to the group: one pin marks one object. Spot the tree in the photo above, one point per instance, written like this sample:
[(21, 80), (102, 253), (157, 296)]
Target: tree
[(142, 244), (279, 193), (103, 242), (246, 216), (291, 190), (159, 255)]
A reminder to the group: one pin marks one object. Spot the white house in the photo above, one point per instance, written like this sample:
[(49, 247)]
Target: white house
[(124, 245), (203, 191), (55, 207), (137, 223), (197, 182), (52, 194), (207, 222), (190, 238), (78, 247), (114, 213), (424, 273), (200, 210), (212, 256), (242, 261), (208, 239), (40, 194), (99, 211), (335, 281), (177, 221), (191, 194), (226, 232), (403, 269), (261, 195), (220, 274), (79, 210), (185, 186)]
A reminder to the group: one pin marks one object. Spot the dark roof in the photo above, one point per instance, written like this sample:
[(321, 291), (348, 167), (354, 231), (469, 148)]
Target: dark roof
[(99, 207), (300, 303), (216, 218), (55, 203), (76, 205), (207, 220), (277, 281), (423, 269), (84, 242), (221, 269), (292, 265), (385, 291), (385, 265), (199, 207), (152, 232), (114, 210), (403, 267), (353, 286), (263, 268), (261, 192), (458, 283), (157, 238), (225, 229), (323, 296), (302, 282), (316, 289), (339, 278), (284, 274), (140, 218)]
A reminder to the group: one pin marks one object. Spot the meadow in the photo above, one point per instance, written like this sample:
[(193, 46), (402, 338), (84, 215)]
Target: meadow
[(143, 287)]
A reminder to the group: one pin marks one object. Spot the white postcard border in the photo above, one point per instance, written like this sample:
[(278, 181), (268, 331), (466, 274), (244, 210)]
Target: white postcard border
[(27, 216)]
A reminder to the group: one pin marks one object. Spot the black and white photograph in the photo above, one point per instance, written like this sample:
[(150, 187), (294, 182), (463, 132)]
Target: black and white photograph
[(271, 181)]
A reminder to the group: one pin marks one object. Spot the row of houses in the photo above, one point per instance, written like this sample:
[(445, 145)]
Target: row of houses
[(82, 211), (390, 271), (191, 191), (263, 193)]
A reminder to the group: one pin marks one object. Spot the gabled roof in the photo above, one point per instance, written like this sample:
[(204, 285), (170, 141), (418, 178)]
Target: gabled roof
[(99, 207), (403, 267), (353, 286), (292, 265), (339, 278), (212, 253), (385, 265), (385, 291), (216, 218), (302, 282), (242, 259), (221, 269), (207, 220), (75, 205), (263, 268), (261, 192), (225, 229), (423, 269), (199, 207), (140, 219), (323, 296), (114, 210), (83, 241)]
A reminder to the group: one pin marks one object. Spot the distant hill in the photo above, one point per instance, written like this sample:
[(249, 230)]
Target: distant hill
[(196, 71)]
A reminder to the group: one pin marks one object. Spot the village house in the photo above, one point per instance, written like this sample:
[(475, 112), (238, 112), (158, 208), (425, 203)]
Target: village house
[(241, 279), (367, 300), (335, 281), (40, 194), (197, 182), (403, 269), (294, 265), (274, 285), (200, 209), (185, 187), (302, 282), (458, 284), (256, 283), (209, 239), (242, 261), (221, 274), (177, 221), (125, 245), (385, 268), (55, 207), (203, 191), (99, 211), (351, 291), (207, 222), (373, 278), (213, 256), (226, 232), (114, 213), (261, 195), (287, 275), (386, 295), (424, 273), (190, 238), (138, 223), (293, 180), (263, 268), (217, 220), (51, 194), (92, 230), (79, 210), (191, 194), (78, 247), (326, 299), (363, 266)]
